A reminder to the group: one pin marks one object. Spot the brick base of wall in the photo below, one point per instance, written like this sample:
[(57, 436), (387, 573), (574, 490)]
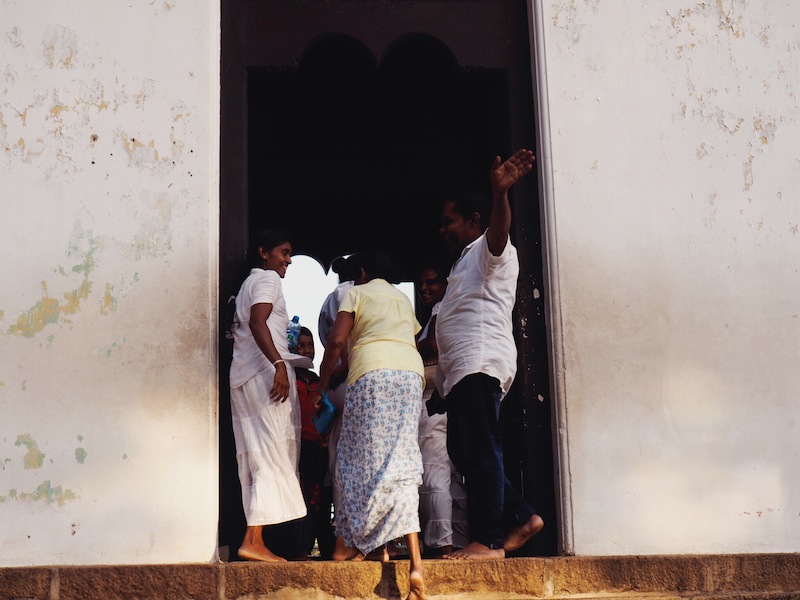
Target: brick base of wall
[(717, 577)]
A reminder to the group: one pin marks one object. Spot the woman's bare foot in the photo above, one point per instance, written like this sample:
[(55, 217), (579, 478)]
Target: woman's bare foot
[(380, 554), (416, 589), (342, 551), (476, 551), (517, 538), (253, 547), (263, 554)]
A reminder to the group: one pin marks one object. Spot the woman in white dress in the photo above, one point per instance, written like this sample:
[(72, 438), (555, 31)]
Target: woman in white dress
[(264, 402)]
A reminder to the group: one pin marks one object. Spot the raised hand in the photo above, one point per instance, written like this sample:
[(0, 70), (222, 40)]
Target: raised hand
[(506, 174)]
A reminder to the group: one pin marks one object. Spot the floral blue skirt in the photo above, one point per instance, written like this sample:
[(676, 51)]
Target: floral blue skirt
[(379, 467)]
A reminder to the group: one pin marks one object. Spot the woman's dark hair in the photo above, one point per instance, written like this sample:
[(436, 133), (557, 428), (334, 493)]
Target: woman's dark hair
[(375, 264), (267, 239), (343, 269), (306, 331)]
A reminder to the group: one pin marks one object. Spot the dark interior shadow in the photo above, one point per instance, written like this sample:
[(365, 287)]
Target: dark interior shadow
[(351, 152)]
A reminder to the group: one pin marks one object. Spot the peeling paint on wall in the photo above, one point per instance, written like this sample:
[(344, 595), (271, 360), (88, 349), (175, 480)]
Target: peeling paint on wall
[(154, 238), (50, 310), (34, 458), (108, 303), (44, 492), (60, 47)]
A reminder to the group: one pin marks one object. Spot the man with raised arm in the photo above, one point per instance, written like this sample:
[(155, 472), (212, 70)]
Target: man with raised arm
[(478, 359)]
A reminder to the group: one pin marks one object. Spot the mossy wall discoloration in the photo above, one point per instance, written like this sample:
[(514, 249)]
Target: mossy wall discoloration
[(45, 492), (34, 457), (108, 155)]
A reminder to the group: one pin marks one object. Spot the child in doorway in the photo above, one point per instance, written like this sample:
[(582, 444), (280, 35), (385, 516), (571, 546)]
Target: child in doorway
[(313, 459)]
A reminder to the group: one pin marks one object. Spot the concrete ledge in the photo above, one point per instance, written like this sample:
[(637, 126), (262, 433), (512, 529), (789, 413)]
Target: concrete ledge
[(706, 577)]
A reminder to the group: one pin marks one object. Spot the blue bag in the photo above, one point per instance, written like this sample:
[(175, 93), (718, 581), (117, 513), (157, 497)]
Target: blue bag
[(323, 419)]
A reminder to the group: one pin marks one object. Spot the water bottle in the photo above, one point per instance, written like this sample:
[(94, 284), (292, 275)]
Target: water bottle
[(293, 333)]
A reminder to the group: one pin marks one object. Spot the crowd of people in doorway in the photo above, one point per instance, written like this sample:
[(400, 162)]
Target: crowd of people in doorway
[(412, 463)]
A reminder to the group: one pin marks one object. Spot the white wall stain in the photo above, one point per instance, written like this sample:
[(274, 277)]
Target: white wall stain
[(60, 47)]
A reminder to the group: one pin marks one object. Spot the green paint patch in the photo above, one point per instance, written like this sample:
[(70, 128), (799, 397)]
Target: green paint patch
[(108, 303), (49, 310), (80, 438), (80, 455), (44, 492), (44, 312), (34, 457)]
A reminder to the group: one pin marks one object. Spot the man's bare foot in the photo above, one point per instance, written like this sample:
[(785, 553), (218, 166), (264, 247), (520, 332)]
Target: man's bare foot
[(476, 551), (416, 586), (517, 537), (262, 554)]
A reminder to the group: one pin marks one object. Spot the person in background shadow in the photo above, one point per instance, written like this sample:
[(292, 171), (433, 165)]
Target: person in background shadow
[(478, 359), (442, 497), (327, 317), (379, 467), (313, 458), (264, 405)]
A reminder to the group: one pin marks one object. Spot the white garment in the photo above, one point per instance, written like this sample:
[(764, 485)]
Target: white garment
[(261, 286), (329, 310), (267, 436), (267, 433), (441, 521), (327, 317), (474, 328), (435, 502)]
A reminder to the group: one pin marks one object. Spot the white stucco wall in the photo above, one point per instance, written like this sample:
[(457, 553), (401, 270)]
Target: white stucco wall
[(672, 167), (670, 183), (108, 249)]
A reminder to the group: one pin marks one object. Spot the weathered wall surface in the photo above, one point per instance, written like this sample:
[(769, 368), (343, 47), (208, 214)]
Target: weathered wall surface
[(672, 183), (673, 213), (108, 250)]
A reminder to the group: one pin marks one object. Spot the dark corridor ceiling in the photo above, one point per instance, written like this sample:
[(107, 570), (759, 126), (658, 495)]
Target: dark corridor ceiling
[(349, 155)]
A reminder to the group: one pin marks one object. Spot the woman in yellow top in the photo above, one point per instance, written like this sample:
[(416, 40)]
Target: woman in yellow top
[(380, 465)]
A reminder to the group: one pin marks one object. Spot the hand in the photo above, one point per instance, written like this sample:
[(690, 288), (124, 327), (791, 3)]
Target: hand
[(280, 384), (506, 174), (316, 400)]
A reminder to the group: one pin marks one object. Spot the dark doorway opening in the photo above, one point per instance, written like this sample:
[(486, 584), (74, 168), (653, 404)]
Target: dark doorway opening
[(351, 149), (349, 154)]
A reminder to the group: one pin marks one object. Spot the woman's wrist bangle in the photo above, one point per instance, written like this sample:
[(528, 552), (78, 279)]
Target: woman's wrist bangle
[(280, 360)]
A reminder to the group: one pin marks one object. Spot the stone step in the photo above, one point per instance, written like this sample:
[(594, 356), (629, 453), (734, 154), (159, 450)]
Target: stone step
[(684, 577)]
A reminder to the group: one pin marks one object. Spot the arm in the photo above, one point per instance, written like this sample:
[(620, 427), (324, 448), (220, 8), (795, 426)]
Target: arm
[(503, 176), (337, 341), (427, 347), (258, 327)]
